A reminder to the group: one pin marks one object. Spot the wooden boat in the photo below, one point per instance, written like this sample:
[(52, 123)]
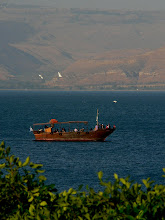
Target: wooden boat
[(70, 131)]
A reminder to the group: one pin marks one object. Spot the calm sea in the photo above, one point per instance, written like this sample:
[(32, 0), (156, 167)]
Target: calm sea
[(136, 148)]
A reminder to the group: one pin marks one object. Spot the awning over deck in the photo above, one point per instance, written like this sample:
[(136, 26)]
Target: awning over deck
[(68, 122)]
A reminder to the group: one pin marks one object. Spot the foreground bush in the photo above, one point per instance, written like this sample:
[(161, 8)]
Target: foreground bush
[(24, 195)]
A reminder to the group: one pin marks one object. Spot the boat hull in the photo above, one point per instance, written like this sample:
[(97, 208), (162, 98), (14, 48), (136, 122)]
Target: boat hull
[(99, 135)]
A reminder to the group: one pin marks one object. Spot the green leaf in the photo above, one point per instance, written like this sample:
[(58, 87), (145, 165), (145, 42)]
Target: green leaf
[(87, 216), (40, 171), (36, 194), (140, 215), (70, 190), (64, 193), (43, 203), (146, 183), (36, 166), (2, 149), (129, 217), (100, 193), (35, 190), (8, 151), (116, 176), (38, 217), (74, 192), (16, 160), (3, 144), (123, 181), (2, 165), (26, 162), (11, 159), (42, 178), (100, 175), (19, 163), (31, 209), (31, 199), (64, 208), (80, 187), (62, 204)]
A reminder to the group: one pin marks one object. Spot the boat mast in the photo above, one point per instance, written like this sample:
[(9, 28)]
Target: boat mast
[(97, 118)]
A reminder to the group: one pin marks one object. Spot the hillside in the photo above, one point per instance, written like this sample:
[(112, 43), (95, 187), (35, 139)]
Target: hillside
[(93, 49), (138, 69)]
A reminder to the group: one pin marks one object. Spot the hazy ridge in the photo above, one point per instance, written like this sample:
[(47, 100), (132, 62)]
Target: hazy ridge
[(93, 49)]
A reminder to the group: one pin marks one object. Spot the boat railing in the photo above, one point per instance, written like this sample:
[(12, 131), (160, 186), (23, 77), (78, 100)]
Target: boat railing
[(48, 125)]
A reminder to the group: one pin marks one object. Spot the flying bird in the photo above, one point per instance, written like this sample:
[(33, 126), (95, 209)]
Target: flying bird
[(41, 76), (59, 75)]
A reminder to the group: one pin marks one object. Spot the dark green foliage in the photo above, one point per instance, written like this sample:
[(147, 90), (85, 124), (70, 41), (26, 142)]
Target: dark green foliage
[(24, 195), (22, 191)]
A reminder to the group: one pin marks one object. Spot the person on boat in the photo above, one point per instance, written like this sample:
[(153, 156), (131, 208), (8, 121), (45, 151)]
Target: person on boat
[(45, 128), (63, 130), (96, 127), (102, 126), (75, 130), (108, 126)]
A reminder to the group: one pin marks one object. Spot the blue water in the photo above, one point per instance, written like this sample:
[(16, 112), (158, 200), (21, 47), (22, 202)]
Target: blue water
[(136, 148)]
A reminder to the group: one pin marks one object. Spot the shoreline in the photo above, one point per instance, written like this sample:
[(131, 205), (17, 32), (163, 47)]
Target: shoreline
[(53, 90)]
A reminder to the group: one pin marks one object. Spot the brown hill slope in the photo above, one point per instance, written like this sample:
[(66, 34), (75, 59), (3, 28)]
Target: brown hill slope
[(128, 69), (93, 49)]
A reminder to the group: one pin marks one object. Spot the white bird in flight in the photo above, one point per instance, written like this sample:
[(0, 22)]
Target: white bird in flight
[(41, 76), (59, 75)]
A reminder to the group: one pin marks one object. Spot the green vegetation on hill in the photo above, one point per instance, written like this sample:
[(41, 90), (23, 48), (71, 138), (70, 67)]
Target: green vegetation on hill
[(24, 195)]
